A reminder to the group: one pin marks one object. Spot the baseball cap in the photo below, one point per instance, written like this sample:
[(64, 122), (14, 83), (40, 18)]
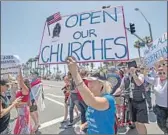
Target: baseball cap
[(96, 76), (4, 82)]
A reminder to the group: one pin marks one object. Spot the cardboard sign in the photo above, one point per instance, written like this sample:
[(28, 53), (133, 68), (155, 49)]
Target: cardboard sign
[(9, 65), (158, 49), (92, 36)]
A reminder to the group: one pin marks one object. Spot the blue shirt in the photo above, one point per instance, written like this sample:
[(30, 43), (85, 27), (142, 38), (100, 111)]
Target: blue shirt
[(101, 122), (115, 80)]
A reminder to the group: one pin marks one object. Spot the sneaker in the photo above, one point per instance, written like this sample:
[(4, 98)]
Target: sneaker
[(150, 109), (64, 121), (70, 124)]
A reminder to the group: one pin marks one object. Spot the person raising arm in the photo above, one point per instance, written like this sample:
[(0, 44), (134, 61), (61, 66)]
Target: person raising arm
[(101, 105)]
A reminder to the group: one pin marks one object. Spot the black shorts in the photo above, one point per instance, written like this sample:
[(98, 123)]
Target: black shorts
[(33, 107), (9, 97), (139, 111)]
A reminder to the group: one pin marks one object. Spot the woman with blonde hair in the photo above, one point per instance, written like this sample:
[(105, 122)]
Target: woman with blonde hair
[(101, 109), (160, 90)]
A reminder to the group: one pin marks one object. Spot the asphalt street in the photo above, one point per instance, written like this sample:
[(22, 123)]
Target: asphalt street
[(53, 114)]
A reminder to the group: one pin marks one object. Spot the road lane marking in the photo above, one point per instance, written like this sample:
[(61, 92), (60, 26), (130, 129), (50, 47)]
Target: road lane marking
[(55, 95), (52, 86), (52, 122), (55, 101)]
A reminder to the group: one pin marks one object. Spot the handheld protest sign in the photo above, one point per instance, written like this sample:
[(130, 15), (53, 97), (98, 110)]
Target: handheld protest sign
[(93, 36), (157, 51), (9, 65)]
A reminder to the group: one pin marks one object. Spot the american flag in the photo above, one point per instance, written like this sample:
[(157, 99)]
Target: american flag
[(54, 18)]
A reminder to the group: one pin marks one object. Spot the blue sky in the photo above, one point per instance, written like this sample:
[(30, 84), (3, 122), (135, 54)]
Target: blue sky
[(22, 22)]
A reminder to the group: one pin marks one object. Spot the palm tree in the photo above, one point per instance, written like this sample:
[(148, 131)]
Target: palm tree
[(111, 63), (49, 68), (46, 69), (57, 68), (30, 61), (147, 40), (137, 45), (87, 64), (92, 65), (35, 60), (43, 70), (106, 63), (54, 71)]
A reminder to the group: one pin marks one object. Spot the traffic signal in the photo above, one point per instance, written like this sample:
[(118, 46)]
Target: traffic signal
[(132, 28)]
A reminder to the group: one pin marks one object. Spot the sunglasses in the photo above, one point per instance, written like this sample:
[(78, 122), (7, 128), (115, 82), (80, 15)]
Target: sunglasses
[(161, 73), (164, 64)]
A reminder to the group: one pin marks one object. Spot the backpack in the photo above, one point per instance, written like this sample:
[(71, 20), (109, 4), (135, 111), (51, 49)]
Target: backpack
[(5, 101), (138, 92)]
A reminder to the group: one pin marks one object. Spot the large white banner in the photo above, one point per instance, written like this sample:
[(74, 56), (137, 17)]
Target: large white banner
[(158, 49), (92, 36), (9, 65)]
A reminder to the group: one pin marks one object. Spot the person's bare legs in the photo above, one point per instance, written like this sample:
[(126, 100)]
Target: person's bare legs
[(34, 116), (141, 128), (37, 118), (65, 111)]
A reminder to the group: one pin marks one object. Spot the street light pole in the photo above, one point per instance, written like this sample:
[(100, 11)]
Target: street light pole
[(139, 53), (150, 29)]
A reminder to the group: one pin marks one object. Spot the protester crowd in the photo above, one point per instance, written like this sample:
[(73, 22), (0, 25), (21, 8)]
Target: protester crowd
[(98, 91), (95, 96), (22, 94)]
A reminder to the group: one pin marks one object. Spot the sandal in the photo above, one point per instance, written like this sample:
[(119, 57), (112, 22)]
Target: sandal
[(35, 129)]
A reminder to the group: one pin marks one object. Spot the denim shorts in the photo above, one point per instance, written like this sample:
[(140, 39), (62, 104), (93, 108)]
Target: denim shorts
[(162, 117)]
